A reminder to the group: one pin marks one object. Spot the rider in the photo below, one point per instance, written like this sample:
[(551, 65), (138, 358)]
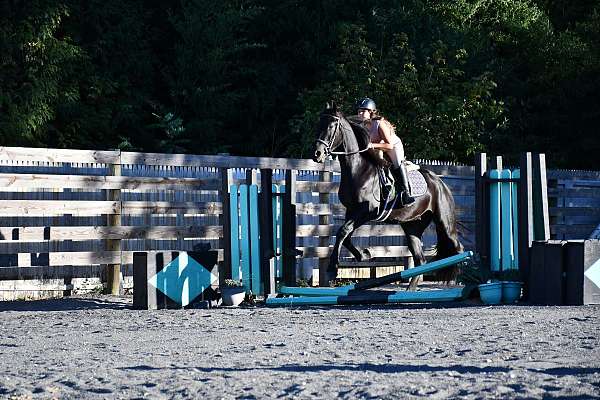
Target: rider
[(383, 137)]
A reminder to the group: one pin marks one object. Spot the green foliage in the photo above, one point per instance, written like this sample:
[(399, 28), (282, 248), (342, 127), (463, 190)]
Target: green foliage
[(472, 272), (232, 283), (250, 78), (38, 70)]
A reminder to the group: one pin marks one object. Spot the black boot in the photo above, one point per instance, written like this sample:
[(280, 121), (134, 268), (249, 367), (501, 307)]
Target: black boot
[(405, 197)]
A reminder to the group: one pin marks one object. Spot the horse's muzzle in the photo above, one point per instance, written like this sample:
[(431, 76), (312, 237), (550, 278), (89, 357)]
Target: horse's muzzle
[(320, 154)]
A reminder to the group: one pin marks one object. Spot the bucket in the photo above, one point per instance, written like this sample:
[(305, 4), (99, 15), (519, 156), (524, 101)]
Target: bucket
[(233, 296), (511, 291), (491, 293)]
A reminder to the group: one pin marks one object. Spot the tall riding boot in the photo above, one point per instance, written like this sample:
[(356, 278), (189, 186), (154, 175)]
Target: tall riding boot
[(402, 175)]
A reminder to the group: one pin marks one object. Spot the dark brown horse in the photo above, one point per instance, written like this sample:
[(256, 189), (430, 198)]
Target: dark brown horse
[(360, 193)]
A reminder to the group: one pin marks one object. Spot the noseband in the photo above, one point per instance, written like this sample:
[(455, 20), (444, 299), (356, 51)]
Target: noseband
[(328, 146)]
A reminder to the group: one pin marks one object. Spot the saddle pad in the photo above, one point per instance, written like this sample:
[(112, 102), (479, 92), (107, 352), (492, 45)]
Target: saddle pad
[(418, 185)]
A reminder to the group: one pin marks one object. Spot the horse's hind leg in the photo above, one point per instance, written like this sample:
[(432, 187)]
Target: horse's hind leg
[(415, 245), (414, 231)]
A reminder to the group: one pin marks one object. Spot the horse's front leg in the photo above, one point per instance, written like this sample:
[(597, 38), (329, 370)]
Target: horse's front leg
[(342, 236)]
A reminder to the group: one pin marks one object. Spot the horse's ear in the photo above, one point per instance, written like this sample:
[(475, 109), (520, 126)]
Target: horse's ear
[(333, 106), (327, 106)]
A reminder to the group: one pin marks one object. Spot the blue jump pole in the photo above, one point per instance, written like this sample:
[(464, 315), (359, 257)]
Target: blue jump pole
[(375, 298), (384, 280)]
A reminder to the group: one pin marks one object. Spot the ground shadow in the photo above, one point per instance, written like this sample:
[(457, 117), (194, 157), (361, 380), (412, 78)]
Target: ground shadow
[(378, 368), (65, 304)]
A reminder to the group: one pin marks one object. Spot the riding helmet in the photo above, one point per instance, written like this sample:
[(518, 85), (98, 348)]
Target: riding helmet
[(367, 104)]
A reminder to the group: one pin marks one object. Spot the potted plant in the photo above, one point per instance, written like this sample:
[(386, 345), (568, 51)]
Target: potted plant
[(232, 292), (472, 274), (511, 285)]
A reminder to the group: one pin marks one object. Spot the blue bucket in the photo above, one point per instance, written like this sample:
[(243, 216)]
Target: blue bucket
[(511, 291), (491, 293)]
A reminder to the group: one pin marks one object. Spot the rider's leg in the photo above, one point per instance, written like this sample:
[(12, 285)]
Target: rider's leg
[(397, 158)]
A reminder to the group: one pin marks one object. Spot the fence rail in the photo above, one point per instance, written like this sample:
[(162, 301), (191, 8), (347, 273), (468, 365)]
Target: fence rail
[(63, 208)]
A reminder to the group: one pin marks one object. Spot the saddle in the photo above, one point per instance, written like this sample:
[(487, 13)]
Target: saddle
[(416, 182)]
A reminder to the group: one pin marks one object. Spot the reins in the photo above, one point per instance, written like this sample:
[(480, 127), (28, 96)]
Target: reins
[(328, 146)]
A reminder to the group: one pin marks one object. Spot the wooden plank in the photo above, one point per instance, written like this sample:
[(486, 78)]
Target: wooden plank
[(319, 187), (376, 251), (57, 233), (89, 257), (13, 154), (45, 208), (574, 193), (98, 182), (573, 231), (575, 211), (319, 209), (189, 160), (362, 231), (54, 272), (165, 207)]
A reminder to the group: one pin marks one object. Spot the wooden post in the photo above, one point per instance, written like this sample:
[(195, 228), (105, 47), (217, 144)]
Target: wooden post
[(114, 270), (267, 253), (144, 294), (289, 229), (525, 220), (541, 219), (481, 209), (325, 176), (226, 175)]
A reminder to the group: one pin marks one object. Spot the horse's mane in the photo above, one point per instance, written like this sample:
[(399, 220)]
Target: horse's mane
[(363, 139)]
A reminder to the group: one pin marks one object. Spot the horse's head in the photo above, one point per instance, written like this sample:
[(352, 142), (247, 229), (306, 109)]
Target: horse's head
[(329, 136)]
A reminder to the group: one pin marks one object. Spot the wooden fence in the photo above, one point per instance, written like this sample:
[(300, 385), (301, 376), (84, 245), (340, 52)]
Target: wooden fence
[(69, 216)]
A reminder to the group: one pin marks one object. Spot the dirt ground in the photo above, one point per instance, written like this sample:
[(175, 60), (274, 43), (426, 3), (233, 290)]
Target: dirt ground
[(98, 347)]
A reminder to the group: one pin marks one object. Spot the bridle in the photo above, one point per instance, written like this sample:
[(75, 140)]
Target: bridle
[(328, 146)]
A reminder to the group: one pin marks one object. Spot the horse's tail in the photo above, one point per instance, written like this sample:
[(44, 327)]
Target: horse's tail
[(444, 217)]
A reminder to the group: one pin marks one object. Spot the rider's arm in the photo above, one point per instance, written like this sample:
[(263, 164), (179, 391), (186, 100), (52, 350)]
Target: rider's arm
[(382, 146), (386, 131)]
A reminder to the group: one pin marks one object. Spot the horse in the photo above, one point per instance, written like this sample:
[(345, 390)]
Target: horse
[(361, 194)]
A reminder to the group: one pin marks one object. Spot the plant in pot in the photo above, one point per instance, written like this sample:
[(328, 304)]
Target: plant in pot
[(473, 274), (232, 292), (511, 285)]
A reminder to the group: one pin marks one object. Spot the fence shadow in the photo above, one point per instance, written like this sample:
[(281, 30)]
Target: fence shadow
[(66, 304)]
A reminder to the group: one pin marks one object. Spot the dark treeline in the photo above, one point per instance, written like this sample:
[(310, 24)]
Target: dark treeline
[(250, 77)]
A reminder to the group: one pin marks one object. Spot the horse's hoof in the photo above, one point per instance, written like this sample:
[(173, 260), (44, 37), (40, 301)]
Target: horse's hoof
[(330, 278)]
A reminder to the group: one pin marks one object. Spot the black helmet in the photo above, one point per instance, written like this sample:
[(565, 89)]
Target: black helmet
[(367, 104)]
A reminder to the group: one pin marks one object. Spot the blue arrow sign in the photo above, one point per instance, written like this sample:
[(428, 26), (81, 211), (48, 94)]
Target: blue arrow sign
[(183, 279), (593, 273)]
